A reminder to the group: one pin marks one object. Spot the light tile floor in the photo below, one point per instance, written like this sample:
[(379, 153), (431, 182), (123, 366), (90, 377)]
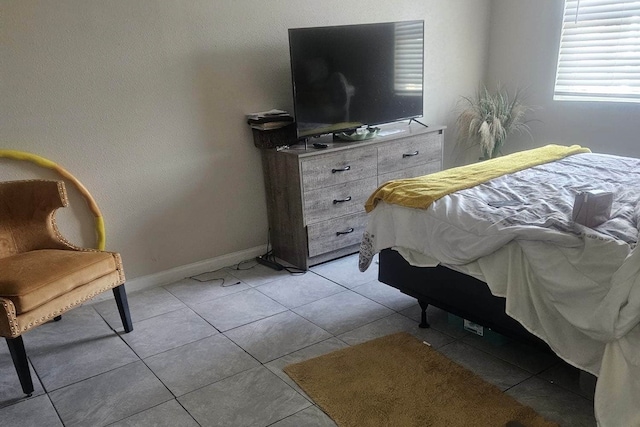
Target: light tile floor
[(211, 353)]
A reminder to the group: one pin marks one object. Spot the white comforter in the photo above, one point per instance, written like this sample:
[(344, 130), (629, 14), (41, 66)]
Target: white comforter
[(576, 288)]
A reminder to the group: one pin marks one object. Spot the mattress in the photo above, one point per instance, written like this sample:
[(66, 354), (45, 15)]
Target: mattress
[(575, 287)]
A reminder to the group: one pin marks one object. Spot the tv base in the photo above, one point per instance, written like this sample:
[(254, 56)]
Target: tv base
[(418, 121)]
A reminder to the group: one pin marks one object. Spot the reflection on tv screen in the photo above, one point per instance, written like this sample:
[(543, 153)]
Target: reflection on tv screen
[(349, 76)]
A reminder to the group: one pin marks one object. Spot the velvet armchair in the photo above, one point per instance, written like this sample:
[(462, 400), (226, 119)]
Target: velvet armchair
[(42, 275)]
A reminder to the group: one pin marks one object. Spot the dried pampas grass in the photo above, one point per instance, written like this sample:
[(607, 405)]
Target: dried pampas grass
[(487, 119)]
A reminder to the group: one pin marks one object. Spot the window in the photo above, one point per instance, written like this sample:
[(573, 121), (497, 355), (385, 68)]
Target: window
[(599, 55), (409, 47)]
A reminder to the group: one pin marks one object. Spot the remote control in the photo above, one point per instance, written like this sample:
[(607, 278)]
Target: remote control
[(320, 145)]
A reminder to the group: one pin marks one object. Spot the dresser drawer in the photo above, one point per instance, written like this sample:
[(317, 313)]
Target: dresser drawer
[(338, 168), (413, 151), (327, 236), (419, 170), (337, 200)]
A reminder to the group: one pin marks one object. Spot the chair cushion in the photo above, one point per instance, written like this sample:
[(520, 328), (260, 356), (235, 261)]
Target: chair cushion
[(33, 278)]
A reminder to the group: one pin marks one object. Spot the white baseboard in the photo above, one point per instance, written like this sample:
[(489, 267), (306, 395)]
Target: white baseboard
[(178, 273)]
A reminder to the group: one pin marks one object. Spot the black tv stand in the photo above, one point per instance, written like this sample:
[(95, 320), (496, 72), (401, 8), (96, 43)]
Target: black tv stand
[(417, 121)]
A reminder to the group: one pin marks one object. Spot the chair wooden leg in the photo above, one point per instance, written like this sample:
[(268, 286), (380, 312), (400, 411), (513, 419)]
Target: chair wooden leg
[(19, 356), (123, 307)]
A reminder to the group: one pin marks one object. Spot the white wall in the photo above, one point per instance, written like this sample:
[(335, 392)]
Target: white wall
[(524, 39), (144, 102)]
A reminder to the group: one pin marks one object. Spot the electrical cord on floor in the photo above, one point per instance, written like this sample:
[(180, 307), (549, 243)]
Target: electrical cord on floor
[(223, 282), (269, 260), (238, 268), (196, 277)]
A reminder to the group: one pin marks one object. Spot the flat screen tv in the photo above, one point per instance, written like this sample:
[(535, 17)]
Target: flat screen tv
[(349, 76)]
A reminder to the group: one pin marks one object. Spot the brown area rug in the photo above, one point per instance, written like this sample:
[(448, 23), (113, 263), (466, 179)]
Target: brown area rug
[(399, 381)]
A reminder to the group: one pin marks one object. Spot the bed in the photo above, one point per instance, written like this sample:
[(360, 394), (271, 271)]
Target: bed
[(495, 243)]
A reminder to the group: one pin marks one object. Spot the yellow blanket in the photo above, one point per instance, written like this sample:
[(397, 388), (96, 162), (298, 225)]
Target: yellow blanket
[(420, 192)]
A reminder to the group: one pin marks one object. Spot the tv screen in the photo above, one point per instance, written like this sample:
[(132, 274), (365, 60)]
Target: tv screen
[(346, 77)]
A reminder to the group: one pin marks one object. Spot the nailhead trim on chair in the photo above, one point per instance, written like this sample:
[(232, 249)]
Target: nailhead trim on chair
[(14, 326), (13, 320), (44, 318), (62, 191), (61, 239), (119, 268)]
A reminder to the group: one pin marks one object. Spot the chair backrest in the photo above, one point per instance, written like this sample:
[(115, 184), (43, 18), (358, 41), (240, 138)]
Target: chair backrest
[(27, 215)]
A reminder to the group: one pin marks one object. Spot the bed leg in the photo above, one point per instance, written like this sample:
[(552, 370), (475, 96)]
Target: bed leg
[(423, 316)]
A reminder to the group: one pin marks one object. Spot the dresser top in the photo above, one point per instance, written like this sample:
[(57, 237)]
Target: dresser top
[(387, 133)]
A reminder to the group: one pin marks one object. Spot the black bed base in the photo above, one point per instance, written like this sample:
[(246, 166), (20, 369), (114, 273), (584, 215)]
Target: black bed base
[(454, 292)]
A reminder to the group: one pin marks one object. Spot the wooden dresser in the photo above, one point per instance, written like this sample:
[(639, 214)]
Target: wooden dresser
[(315, 197)]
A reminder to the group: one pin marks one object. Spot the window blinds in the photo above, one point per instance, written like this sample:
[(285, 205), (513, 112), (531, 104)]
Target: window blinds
[(409, 47), (599, 55)]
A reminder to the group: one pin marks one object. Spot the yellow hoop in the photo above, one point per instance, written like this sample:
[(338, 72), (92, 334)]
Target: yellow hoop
[(41, 161)]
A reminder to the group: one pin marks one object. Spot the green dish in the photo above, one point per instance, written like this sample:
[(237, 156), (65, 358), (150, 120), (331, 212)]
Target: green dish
[(358, 136)]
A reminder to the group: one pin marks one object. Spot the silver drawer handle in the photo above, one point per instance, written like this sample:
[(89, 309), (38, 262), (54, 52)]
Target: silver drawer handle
[(347, 231), (336, 201), (415, 153), (346, 168)]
